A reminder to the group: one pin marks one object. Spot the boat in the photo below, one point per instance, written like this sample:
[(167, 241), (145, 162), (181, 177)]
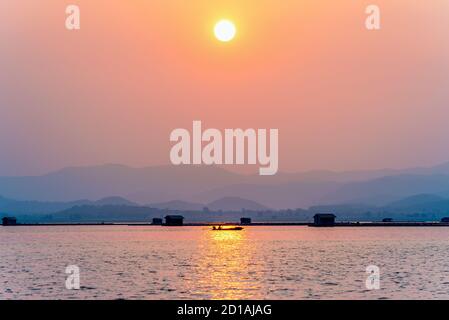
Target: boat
[(226, 228)]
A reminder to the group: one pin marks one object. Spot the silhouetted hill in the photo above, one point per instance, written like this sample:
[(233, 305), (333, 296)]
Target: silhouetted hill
[(416, 200), (106, 213), (385, 190), (235, 204), (346, 209), (12, 206), (417, 207), (224, 204), (280, 196), (423, 204), (114, 201), (178, 205)]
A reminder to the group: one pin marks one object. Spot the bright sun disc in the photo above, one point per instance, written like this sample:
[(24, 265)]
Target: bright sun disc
[(225, 30)]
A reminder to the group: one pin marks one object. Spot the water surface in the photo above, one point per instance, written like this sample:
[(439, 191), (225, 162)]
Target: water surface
[(121, 262)]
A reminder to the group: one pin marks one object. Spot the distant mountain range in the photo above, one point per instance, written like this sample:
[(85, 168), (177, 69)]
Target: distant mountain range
[(418, 207), (37, 207), (424, 206), (224, 204), (193, 188), (178, 205)]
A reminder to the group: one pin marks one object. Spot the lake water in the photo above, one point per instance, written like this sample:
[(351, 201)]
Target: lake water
[(121, 262)]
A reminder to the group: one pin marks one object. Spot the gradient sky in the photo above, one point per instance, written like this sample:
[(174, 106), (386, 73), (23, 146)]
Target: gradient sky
[(342, 97)]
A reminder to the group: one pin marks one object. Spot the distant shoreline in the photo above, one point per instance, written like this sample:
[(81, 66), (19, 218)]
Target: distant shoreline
[(261, 224)]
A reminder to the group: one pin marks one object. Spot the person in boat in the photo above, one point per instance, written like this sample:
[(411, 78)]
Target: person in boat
[(219, 228)]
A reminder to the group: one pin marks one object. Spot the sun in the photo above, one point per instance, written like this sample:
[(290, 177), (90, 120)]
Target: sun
[(225, 30)]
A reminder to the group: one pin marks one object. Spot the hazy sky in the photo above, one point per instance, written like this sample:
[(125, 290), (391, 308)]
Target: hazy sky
[(341, 96)]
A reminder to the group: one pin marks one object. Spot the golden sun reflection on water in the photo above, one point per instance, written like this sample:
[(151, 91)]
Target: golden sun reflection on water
[(224, 256), (229, 235)]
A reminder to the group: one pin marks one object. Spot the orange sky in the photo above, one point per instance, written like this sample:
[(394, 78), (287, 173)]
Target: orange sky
[(342, 97)]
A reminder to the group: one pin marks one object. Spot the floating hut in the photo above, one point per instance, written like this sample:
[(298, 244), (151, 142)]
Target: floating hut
[(324, 220), (157, 221), (9, 221), (174, 220)]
